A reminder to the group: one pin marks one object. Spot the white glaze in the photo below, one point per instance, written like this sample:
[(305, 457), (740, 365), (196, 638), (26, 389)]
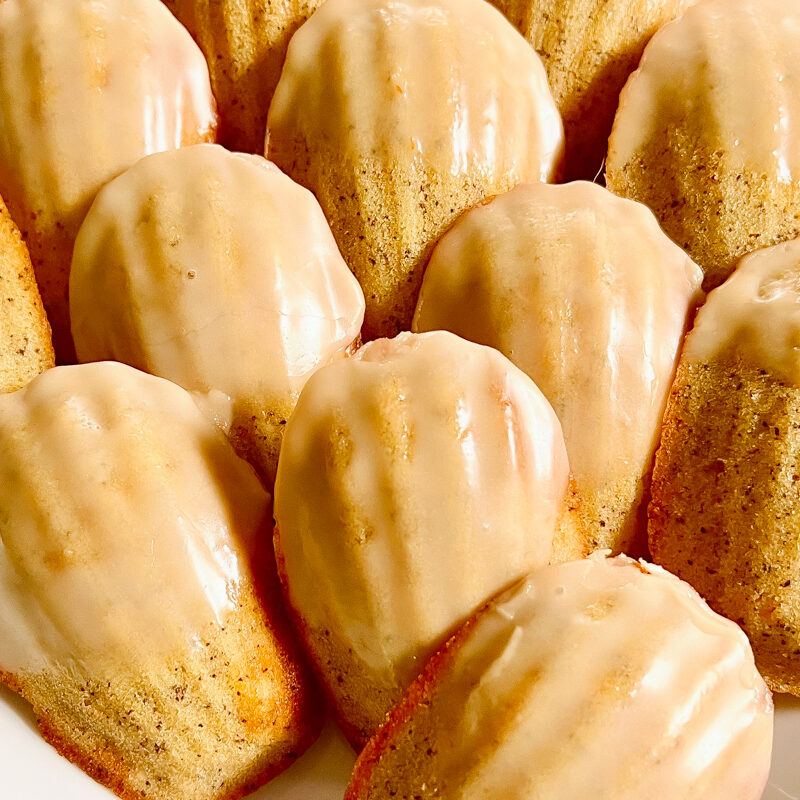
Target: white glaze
[(585, 293), (447, 82), (755, 315), (126, 520), (415, 480), (214, 270), (598, 679), (87, 87), (734, 66)]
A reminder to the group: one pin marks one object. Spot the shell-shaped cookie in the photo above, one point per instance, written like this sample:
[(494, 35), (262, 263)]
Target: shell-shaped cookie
[(87, 87), (725, 514), (602, 678), (585, 293), (218, 272), (399, 116), (589, 48), (26, 348), (245, 45), (140, 611), (707, 130), (416, 479)]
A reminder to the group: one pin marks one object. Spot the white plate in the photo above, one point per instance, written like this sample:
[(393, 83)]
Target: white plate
[(31, 770)]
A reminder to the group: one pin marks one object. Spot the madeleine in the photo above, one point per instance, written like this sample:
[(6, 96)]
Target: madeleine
[(399, 116)]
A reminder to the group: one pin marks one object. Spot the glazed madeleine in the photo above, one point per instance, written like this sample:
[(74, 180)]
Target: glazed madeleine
[(218, 272), (585, 293), (399, 116), (725, 514), (140, 613), (602, 678), (87, 87), (707, 136), (589, 48), (416, 479), (245, 45), (26, 348)]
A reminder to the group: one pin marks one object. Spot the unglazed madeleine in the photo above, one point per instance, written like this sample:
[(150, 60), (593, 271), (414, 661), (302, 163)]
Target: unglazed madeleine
[(725, 514), (589, 48), (416, 479), (87, 87), (585, 293), (707, 133), (245, 45), (399, 116), (140, 613), (600, 678), (218, 272), (25, 345)]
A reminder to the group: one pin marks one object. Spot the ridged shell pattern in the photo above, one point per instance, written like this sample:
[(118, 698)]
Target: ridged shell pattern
[(245, 46), (755, 314), (87, 87), (599, 678), (126, 521), (446, 81), (585, 293), (398, 115), (589, 48), (214, 270), (731, 64), (416, 479)]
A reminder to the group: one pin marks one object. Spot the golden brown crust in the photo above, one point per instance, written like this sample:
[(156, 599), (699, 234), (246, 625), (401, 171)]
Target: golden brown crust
[(572, 538), (245, 46), (589, 48), (367, 693), (26, 348), (256, 432), (377, 772), (725, 510), (374, 213), (713, 210), (256, 435), (615, 517), (213, 725)]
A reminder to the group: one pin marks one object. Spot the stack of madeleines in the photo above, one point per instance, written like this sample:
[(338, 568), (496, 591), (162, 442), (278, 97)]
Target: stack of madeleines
[(358, 406)]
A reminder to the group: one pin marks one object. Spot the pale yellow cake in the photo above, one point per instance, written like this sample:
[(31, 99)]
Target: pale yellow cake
[(141, 613), (416, 479), (217, 271), (26, 348), (603, 679), (725, 514), (244, 42), (87, 87), (585, 293), (707, 130), (589, 48), (399, 116)]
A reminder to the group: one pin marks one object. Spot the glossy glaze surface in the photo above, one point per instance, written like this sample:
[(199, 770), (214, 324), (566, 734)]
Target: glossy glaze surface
[(585, 293), (365, 68), (216, 271), (598, 678), (589, 48), (87, 87), (126, 519), (244, 42), (755, 313), (737, 63), (416, 479), (399, 115)]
